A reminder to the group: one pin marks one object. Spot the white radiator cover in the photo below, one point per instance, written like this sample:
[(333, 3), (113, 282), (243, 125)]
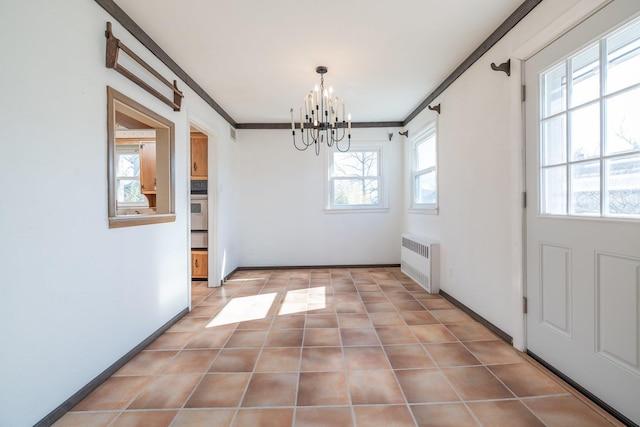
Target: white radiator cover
[(420, 260)]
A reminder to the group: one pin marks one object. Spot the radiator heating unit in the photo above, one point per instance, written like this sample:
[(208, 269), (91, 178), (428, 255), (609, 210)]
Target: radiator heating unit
[(420, 260)]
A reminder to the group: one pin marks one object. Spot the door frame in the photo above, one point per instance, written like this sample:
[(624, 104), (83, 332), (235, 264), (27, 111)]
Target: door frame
[(541, 39), (194, 121)]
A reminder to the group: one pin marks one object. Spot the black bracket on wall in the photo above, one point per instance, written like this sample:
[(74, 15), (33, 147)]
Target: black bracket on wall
[(436, 108), (405, 133), (505, 66)]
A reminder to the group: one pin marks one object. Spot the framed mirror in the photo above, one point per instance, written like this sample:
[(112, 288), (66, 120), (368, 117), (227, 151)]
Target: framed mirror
[(140, 163)]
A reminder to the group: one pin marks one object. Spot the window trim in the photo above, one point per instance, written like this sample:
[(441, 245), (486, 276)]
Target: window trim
[(382, 205), (428, 130), (165, 132)]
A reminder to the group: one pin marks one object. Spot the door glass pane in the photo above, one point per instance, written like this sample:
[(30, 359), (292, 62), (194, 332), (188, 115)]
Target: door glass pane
[(623, 186), (585, 132), (555, 87), (425, 188), (623, 122), (554, 186), (585, 188), (554, 141), (585, 76), (355, 192), (623, 58)]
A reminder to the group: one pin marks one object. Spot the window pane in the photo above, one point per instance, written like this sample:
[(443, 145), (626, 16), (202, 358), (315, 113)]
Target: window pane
[(585, 188), (554, 140), (585, 76), (128, 165), (623, 58), (128, 191), (425, 188), (426, 153), (355, 163), (554, 185), (623, 186), (623, 123), (585, 132), (355, 192), (555, 87)]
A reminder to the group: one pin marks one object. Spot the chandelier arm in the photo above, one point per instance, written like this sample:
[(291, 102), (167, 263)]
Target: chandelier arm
[(339, 138), (294, 141), (309, 140), (348, 145)]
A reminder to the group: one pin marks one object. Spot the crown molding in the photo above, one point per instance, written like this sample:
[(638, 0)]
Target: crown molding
[(129, 24)]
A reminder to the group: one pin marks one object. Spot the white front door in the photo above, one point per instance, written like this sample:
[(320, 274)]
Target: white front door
[(583, 214)]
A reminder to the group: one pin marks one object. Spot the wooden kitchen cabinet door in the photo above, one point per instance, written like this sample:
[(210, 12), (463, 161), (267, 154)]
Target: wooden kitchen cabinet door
[(199, 163), (148, 168), (199, 264)]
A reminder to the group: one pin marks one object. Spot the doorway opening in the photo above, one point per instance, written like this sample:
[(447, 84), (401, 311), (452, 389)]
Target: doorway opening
[(202, 201)]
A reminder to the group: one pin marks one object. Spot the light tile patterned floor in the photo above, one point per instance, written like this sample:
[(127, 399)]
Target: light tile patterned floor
[(340, 347)]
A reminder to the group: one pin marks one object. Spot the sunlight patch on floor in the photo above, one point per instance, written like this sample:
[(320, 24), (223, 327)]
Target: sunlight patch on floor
[(243, 309), (303, 300)]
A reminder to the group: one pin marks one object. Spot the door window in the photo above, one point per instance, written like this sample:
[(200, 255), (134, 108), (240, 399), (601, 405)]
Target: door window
[(590, 130)]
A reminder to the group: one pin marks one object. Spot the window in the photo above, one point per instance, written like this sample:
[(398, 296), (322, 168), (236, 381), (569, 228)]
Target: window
[(128, 192), (424, 169), (355, 179), (140, 164), (590, 132)]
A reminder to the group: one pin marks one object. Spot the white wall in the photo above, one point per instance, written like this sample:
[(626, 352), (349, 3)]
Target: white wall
[(282, 199), (76, 295), (479, 223)]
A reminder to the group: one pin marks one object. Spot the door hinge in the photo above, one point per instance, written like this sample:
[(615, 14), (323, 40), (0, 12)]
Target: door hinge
[(524, 305), (523, 95), (524, 199)]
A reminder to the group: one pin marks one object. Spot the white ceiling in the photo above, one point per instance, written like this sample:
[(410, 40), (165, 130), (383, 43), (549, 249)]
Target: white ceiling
[(257, 59)]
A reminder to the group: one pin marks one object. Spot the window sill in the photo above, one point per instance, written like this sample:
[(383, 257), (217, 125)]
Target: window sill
[(355, 210), (134, 220), (423, 211)]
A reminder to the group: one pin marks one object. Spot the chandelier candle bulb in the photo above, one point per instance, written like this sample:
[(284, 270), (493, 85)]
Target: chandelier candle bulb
[(349, 120)]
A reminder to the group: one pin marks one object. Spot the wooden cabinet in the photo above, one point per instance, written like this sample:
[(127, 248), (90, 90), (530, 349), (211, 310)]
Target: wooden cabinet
[(199, 164), (148, 168), (199, 264)]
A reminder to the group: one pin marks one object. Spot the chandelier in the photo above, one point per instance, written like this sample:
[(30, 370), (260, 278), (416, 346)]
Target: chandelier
[(320, 120)]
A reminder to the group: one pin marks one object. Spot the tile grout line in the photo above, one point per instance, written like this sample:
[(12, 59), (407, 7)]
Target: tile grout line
[(255, 364), (393, 371), (204, 374)]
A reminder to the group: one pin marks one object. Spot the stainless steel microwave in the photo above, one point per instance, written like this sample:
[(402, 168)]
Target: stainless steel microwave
[(199, 186)]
